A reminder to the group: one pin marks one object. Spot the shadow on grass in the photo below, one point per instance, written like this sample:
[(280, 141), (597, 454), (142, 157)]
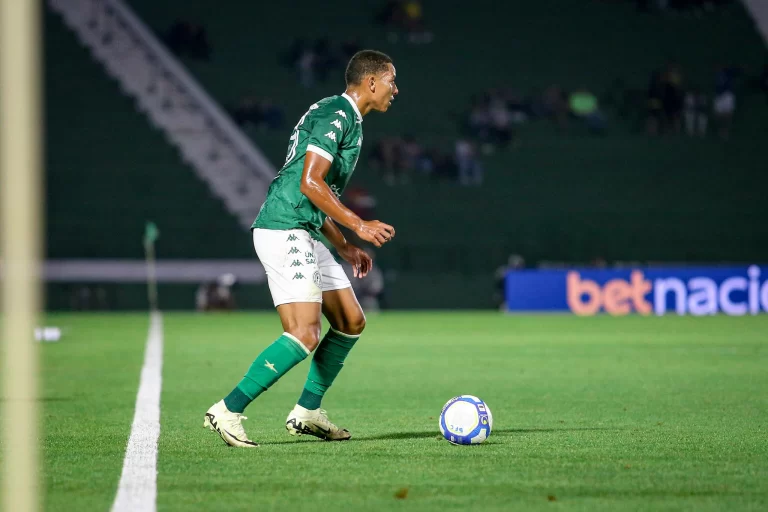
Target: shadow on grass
[(499, 431)]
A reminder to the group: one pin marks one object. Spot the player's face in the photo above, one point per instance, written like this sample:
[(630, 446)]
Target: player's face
[(385, 89)]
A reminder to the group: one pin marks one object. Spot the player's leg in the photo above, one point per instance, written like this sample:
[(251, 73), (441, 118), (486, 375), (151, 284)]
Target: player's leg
[(347, 321), (289, 260), (301, 332)]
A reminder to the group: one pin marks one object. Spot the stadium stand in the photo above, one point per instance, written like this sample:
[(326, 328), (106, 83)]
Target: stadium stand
[(558, 196)]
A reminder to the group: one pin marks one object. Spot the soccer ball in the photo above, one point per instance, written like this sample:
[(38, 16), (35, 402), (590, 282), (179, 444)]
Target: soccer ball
[(466, 419)]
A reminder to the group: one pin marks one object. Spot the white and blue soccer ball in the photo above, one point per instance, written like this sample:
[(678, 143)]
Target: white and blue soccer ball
[(466, 419)]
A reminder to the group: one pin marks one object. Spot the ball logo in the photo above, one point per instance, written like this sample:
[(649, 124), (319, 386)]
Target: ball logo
[(484, 419)]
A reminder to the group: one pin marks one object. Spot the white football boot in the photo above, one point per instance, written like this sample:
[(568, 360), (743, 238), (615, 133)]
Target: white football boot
[(229, 425), (315, 423)]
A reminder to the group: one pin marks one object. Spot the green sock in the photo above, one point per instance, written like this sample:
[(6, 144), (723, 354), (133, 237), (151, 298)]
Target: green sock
[(326, 365), (274, 362)]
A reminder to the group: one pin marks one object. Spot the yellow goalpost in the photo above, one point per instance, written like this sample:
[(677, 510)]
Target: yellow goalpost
[(20, 248)]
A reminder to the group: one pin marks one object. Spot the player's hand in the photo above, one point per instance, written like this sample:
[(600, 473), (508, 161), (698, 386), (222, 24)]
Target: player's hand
[(375, 232), (360, 261)]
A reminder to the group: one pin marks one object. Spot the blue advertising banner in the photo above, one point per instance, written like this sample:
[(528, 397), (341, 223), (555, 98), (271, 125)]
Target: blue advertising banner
[(654, 290)]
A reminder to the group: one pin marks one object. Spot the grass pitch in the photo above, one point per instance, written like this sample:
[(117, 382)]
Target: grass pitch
[(589, 413)]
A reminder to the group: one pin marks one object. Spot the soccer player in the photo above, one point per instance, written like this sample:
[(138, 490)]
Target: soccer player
[(304, 279)]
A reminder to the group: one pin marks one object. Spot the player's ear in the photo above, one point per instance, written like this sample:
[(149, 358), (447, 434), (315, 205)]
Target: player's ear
[(372, 83)]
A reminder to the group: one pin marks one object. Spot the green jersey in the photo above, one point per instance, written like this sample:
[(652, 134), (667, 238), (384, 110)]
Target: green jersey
[(331, 128)]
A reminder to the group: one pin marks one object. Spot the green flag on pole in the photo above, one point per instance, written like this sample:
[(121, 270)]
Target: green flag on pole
[(151, 233)]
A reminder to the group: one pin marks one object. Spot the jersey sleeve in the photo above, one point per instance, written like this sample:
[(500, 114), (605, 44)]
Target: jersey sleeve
[(330, 127)]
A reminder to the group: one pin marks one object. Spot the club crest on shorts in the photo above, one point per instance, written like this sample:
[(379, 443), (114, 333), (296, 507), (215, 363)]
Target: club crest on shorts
[(318, 280)]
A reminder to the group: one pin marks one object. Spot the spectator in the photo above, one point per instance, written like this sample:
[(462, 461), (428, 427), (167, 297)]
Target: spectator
[(584, 105), (414, 22), (260, 113), (555, 105), (500, 117), (672, 96), (469, 168), (514, 262), (655, 104), (724, 108), (217, 295), (385, 157), (479, 120), (324, 59), (696, 113), (306, 67), (187, 39), (404, 16), (412, 154), (295, 51), (247, 112)]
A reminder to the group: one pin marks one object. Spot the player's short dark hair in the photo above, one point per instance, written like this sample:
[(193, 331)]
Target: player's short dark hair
[(364, 63)]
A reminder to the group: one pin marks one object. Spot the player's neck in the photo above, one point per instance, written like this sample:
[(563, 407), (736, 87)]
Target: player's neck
[(363, 106)]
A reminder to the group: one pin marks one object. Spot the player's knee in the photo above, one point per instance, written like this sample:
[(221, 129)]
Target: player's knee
[(308, 334), (354, 324)]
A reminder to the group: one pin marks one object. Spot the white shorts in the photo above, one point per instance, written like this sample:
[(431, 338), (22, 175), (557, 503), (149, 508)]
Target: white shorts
[(299, 269)]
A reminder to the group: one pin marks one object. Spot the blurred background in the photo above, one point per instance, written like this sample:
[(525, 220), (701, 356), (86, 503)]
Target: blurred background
[(528, 136)]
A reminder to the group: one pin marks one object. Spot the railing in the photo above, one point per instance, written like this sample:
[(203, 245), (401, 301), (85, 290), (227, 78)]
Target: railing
[(209, 141)]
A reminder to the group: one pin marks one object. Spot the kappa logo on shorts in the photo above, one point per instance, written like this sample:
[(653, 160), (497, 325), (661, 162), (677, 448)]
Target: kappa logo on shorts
[(317, 278), (297, 263), (294, 250), (298, 275), (292, 238)]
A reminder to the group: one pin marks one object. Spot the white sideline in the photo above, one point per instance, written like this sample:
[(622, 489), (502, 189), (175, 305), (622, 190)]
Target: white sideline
[(138, 483)]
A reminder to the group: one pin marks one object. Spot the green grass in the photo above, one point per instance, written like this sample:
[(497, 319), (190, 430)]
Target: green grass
[(594, 413), (88, 393)]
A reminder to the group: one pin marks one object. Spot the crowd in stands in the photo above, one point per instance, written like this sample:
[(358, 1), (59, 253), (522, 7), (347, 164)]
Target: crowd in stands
[(673, 106), (495, 116), (188, 39), (259, 113), (404, 19), (668, 105), (316, 60), (399, 159)]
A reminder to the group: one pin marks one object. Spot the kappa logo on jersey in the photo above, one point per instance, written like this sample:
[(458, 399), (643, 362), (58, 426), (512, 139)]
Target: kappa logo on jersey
[(359, 142), (298, 275), (292, 238), (342, 114), (314, 106), (293, 250), (336, 123), (296, 263), (331, 135)]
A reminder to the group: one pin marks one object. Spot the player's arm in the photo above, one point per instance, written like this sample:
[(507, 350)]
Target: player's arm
[(360, 261), (313, 185), (331, 231)]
